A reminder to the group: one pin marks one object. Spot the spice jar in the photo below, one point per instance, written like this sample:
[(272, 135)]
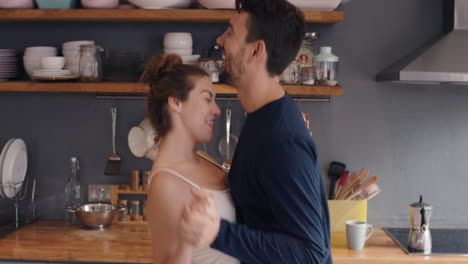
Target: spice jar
[(308, 76), (145, 213), (90, 65), (212, 69), (134, 180), (134, 210), (291, 74), (123, 213), (146, 175)]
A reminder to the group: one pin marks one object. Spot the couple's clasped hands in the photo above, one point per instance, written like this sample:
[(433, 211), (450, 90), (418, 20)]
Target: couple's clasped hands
[(200, 220)]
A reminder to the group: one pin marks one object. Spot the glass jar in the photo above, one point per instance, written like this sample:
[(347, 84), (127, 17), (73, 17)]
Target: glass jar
[(291, 75), (90, 65), (134, 210), (326, 64), (212, 69), (123, 213), (145, 213), (308, 76), (145, 180), (306, 53)]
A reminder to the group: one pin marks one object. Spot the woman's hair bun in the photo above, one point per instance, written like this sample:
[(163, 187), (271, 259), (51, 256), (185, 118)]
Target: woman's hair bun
[(158, 66)]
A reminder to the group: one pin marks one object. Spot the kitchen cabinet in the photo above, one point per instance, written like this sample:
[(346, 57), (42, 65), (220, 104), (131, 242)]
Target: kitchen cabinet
[(145, 15)]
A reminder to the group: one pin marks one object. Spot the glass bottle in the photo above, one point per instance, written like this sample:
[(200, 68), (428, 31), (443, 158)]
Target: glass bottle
[(90, 64), (73, 192), (306, 53)]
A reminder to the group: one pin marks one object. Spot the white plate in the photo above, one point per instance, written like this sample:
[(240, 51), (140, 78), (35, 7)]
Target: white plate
[(14, 167), (137, 141), (54, 72), (2, 159)]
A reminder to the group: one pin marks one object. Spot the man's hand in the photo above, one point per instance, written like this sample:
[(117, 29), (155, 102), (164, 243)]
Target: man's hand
[(200, 220)]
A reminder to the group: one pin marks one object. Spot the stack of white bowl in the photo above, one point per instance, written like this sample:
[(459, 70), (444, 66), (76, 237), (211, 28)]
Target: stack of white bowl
[(8, 64), (180, 43), (33, 55), (71, 52)]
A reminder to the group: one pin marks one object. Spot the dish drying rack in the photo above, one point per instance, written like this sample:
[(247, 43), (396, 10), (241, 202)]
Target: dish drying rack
[(21, 204)]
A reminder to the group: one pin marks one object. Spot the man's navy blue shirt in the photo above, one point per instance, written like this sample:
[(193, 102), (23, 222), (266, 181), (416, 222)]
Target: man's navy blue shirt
[(279, 195)]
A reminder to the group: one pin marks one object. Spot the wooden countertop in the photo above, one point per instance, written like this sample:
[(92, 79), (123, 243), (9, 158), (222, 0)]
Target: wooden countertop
[(380, 249), (57, 241)]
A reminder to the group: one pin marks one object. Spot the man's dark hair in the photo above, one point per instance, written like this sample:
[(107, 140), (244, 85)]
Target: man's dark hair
[(280, 24)]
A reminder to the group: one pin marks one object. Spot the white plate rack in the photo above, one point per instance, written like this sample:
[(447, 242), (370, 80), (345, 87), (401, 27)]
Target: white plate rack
[(18, 209)]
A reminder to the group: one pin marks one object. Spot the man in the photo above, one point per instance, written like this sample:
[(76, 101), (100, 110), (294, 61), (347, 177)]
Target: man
[(275, 182)]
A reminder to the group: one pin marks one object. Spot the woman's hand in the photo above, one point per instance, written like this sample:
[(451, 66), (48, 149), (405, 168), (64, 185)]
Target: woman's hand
[(200, 220)]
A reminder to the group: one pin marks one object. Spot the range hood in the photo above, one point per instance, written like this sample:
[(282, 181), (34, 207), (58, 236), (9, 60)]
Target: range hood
[(443, 61)]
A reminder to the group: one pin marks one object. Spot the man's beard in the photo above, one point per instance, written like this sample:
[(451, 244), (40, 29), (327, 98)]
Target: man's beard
[(232, 69)]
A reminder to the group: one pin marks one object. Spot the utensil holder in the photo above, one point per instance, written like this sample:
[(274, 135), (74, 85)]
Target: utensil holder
[(342, 211)]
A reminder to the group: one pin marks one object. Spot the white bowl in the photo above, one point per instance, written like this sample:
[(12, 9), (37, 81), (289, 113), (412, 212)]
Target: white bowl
[(323, 5), (17, 4), (40, 51), (141, 140), (190, 58), (53, 63), (100, 4), (219, 4), (180, 52), (76, 44), (161, 4), (178, 40)]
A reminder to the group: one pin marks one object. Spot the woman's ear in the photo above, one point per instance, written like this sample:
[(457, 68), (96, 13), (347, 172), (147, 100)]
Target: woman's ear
[(174, 104)]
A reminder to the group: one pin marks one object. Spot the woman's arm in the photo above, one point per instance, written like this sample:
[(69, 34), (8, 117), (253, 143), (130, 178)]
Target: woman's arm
[(167, 198)]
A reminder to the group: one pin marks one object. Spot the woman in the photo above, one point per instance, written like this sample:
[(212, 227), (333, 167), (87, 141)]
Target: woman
[(182, 110)]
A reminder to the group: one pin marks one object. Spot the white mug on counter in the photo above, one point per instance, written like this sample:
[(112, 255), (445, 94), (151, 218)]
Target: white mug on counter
[(357, 232)]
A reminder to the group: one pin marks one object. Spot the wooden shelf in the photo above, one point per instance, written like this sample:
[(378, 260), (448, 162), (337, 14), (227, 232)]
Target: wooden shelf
[(138, 88), (145, 15)]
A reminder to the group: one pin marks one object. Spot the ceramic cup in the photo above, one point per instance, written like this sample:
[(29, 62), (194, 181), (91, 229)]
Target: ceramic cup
[(357, 232)]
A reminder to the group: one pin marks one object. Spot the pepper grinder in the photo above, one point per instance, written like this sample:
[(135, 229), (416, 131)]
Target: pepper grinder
[(420, 239)]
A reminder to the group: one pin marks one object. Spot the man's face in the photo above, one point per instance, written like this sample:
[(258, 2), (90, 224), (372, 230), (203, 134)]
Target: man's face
[(234, 46)]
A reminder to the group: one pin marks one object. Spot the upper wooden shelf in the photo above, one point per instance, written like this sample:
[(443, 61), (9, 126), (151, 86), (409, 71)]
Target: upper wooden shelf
[(137, 88), (145, 15)]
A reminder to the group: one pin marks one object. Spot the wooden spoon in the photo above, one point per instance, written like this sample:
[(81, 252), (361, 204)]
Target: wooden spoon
[(363, 186)]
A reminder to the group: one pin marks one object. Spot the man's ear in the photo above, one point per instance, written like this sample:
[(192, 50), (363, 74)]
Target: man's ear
[(259, 50), (174, 104)]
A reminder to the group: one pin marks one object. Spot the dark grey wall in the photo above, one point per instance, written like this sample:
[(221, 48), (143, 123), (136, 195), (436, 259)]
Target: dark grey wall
[(411, 136)]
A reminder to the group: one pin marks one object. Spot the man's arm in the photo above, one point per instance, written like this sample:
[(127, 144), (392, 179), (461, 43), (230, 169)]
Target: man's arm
[(292, 183)]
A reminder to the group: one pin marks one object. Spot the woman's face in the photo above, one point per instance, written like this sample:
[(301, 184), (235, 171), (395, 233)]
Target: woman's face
[(200, 110)]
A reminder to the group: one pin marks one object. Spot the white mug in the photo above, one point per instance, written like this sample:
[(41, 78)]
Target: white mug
[(357, 233)]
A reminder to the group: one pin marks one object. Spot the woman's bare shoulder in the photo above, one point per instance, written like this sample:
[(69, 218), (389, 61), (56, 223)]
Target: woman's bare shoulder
[(166, 184)]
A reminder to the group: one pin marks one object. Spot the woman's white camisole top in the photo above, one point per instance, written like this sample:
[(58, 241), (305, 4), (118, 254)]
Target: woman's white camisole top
[(226, 210)]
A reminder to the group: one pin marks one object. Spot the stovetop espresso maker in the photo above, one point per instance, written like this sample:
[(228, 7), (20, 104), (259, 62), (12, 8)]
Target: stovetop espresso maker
[(420, 239)]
